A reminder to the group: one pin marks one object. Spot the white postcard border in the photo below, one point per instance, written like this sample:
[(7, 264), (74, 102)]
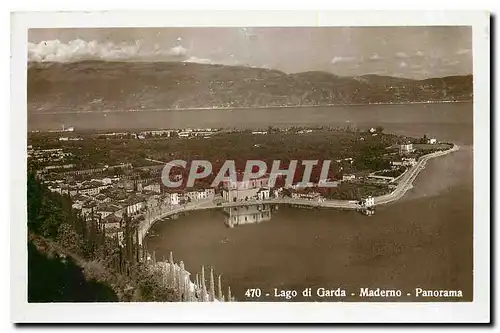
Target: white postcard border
[(476, 311)]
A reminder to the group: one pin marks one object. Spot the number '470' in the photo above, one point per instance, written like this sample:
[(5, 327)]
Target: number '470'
[(253, 293)]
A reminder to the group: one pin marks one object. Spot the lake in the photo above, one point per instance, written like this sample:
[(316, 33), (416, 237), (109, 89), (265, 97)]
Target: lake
[(424, 240), (412, 119)]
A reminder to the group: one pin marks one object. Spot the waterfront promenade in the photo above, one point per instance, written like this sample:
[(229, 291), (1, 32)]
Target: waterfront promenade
[(405, 183)]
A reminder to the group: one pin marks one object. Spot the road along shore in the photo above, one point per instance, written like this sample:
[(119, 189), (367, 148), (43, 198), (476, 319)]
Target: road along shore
[(405, 183)]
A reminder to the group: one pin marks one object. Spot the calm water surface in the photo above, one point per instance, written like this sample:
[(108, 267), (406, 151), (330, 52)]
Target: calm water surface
[(411, 119)]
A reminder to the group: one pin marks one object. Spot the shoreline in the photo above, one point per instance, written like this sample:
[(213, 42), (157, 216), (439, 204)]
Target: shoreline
[(402, 188), (410, 176), (42, 113)]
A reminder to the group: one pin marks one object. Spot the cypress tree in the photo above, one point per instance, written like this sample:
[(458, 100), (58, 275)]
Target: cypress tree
[(212, 285), (219, 289)]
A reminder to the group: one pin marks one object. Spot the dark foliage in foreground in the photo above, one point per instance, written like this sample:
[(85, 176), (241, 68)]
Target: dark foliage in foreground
[(60, 279), (71, 259)]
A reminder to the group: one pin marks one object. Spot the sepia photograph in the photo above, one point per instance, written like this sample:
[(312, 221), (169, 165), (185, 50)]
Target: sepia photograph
[(262, 164)]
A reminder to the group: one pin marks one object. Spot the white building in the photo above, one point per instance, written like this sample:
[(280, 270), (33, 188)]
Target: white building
[(173, 198), (348, 177), (153, 188), (301, 185), (93, 190), (206, 194), (331, 183), (411, 161), (247, 184), (134, 206), (192, 195), (368, 202), (406, 148), (264, 194), (432, 141), (307, 196), (241, 190), (405, 161)]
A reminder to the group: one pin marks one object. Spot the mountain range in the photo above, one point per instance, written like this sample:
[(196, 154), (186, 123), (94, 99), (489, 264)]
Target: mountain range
[(103, 85)]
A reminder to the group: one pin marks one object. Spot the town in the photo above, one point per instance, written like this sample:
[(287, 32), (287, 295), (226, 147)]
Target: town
[(108, 192)]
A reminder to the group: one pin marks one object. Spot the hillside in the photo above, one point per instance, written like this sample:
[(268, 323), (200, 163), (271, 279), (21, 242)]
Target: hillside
[(98, 85), (54, 277)]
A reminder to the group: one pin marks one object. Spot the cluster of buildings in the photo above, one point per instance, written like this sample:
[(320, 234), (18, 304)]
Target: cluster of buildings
[(405, 161), (68, 138), (109, 199), (241, 189), (54, 155), (283, 129), (244, 190), (167, 133), (192, 133), (406, 148), (56, 161)]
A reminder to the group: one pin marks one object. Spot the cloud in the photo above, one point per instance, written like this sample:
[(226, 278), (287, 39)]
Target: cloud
[(78, 49), (401, 55), (199, 60), (338, 59), (177, 51), (464, 51), (375, 57), (403, 64), (419, 54)]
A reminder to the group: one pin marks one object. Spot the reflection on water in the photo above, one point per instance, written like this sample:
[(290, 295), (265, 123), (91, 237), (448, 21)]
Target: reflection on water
[(424, 240), (235, 216)]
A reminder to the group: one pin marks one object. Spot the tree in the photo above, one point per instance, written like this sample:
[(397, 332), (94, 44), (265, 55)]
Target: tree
[(34, 202), (69, 239), (379, 129)]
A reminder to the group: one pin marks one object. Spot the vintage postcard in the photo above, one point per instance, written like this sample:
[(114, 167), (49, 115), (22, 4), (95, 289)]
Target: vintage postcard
[(260, 167)]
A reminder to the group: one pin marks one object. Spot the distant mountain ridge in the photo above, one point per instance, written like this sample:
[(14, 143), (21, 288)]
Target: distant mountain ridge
[(100, 85)]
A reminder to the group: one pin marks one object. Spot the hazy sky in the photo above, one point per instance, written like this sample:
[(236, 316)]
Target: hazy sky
[(414, 52)]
